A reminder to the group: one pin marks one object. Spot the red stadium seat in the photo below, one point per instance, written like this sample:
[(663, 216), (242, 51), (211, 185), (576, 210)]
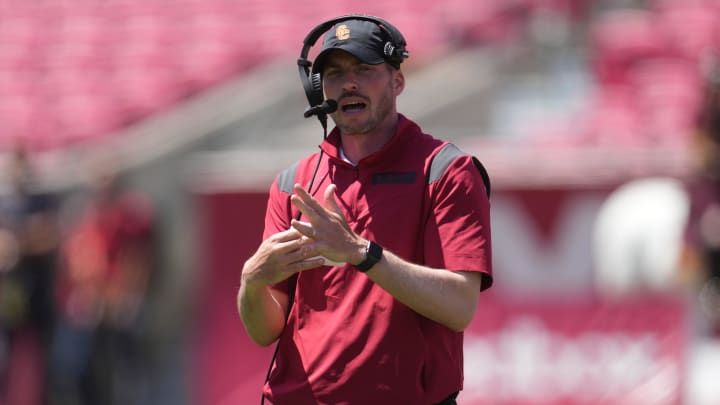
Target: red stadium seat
[(693, 30), (666, 92), (611, 118), (619, 38), (484, 22), (146, 90), (16, 115), (84, 116), (151, 54)]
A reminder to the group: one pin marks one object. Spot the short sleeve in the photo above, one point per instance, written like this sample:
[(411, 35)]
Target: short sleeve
[(457, 234)]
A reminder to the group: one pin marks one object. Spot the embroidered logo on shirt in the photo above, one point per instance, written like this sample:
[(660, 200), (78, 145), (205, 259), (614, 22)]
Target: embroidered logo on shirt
[(394, 178)]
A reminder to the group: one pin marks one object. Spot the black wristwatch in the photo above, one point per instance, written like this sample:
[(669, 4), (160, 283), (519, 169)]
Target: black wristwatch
[(373, 254)]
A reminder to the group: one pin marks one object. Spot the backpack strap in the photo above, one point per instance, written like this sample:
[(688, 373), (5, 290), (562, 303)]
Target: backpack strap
[(447, 154)]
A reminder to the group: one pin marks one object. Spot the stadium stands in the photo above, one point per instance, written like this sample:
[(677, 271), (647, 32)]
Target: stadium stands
[(90, 69), (658, 55), (81, 72)]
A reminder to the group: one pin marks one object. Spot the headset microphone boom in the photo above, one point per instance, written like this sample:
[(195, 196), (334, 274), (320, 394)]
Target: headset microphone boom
[(326, 107)]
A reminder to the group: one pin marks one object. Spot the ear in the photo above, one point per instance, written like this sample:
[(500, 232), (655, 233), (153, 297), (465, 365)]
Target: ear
[(398, 82)]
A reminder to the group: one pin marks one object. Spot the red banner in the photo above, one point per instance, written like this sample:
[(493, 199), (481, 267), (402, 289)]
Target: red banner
[(577, 350)]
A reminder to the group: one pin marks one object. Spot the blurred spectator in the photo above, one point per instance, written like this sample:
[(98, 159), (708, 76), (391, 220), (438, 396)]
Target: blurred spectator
[(638, 236), (29, 240), (702, 251), (107, 263)]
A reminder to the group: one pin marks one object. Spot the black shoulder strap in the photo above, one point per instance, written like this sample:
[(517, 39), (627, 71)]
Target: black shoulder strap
[(447, 155)]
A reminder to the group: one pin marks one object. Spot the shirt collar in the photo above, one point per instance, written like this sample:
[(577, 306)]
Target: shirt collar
[(332, 145)]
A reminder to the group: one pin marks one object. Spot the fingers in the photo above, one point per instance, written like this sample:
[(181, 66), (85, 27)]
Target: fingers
[(303, 258), (330, 201), (323, 219), (309, 206), (304, 228), (286, 235), (294, 254), (306, 203), (301, 254), (288, 241), (306, 264)]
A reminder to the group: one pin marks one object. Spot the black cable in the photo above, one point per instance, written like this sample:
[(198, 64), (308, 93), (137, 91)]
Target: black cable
[(291, 287)]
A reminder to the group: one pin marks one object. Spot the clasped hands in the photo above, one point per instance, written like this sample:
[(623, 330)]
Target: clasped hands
[(325, 238)]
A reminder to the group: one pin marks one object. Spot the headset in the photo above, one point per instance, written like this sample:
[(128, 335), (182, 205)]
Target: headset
[(394, 50)]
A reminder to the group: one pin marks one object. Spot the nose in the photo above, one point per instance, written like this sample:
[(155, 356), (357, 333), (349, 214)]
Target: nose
[(349, 82)]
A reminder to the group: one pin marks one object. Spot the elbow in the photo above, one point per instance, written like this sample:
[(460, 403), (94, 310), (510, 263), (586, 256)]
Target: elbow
[(467, 304), (460, 320), (262, 338), (463, 317), (263, 341), (459, 325), (261, 335)]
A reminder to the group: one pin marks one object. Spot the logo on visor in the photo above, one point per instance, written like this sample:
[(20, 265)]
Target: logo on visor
[(342, 32)]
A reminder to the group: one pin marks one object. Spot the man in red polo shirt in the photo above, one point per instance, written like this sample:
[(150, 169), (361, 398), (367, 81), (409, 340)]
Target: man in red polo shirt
[(369, 278)]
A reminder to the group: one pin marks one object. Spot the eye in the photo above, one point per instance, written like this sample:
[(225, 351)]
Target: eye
[(331, 74)]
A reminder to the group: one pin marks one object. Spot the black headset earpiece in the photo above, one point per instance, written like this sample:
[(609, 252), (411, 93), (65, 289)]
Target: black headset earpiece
[(313, 89), (395, 52)]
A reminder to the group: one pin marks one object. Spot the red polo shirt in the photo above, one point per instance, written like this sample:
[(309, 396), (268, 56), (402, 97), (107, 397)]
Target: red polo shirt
[(348, 341)]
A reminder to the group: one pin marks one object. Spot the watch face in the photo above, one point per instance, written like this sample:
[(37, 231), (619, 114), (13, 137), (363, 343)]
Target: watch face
[(374, 251), (373, 254)]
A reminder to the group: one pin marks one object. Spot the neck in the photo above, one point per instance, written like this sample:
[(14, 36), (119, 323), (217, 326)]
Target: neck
[(358, 146)]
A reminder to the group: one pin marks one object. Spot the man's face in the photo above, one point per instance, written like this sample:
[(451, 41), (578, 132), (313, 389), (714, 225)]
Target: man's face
[(365, 93)]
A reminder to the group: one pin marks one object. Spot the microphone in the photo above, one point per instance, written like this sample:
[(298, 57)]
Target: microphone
[(326, 107)]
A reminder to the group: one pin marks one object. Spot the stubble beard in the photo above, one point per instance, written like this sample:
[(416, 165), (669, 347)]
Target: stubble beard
[(376, 118)]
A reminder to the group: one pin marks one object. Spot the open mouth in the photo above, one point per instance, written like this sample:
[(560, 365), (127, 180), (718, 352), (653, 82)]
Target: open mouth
[(353, 107)]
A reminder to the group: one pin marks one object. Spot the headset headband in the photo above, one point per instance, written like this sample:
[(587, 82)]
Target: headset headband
[(393, 33)]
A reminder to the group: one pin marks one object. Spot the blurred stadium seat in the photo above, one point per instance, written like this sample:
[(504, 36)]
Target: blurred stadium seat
[(619, 38), (154, 54), (691, 29), (148, 57)]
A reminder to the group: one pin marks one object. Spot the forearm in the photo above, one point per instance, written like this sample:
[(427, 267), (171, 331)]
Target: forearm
[(447, 297), (261, 307), (262, 313)]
